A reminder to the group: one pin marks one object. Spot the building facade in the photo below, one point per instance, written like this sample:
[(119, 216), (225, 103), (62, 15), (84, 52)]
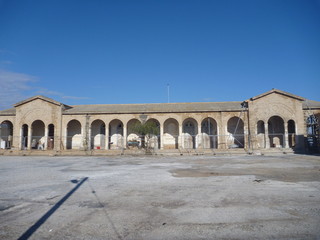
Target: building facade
[(275, 119)]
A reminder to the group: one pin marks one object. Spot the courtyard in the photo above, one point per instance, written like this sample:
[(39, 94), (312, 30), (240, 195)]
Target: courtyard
[(150, 197)]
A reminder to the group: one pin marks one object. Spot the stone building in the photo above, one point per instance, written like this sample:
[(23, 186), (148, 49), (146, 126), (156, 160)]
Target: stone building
[(272, 120)]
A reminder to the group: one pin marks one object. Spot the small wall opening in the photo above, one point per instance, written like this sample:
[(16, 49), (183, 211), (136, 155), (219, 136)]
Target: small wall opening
[(291, 133), (24, 137), (50, 137), (260, 134)]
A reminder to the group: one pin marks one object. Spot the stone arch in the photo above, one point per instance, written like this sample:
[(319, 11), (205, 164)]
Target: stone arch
[(154, 141), (235, 128), (133, 138), (261, 134), (38, 138), (74, 135), (209, 132), (189, 133), (276, 131), (98, 134), (171, 134), (116, 134), (291, 133), (6, 134)]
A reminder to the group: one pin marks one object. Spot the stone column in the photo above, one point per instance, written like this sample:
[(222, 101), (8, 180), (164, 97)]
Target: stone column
[(222, 139), (245, 136), (286, 137), (89, 138), (225, 137), (83, 137), (65, 140), (107, 138), (29, 138), (46, 130), (161, 135), (266, 136), (198, 137), (180, 136), (124, 136), (21, 139)]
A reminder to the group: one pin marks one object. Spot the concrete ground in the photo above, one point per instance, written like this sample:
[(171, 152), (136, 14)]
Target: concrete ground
[(199, 197)]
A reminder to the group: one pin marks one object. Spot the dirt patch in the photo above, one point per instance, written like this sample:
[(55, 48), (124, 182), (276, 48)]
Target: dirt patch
[(90, 204), (169, 204), (198, 173), (277, 174)]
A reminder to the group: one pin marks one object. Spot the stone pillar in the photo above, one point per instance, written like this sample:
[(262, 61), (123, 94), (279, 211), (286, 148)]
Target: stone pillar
[(46, 130), (286, 137), (21, 139), (199, 129), (107, 138), (65, 140), (266, 136), (83, 137), (89, 139), (198, 137), (29, 138), (226, 136), (245, 136), (222, 138), (124, 136), (180, 136), (161, 135)]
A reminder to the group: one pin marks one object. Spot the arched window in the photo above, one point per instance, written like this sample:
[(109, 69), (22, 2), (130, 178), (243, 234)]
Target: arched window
[(291, 133), (24, 136), (51, 137), (260, 127)]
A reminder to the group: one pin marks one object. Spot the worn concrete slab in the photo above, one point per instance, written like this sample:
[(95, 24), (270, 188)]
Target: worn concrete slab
[(196, 197)]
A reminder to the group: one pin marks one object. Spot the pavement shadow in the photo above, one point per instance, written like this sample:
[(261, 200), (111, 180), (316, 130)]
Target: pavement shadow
[(44, 218)]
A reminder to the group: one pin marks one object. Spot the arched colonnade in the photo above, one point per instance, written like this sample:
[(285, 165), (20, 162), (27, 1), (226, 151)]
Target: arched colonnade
[(35, 135), (188, 133), (276, 132)]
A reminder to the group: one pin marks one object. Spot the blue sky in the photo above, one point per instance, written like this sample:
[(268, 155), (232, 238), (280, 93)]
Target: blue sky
[(91, 52)]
